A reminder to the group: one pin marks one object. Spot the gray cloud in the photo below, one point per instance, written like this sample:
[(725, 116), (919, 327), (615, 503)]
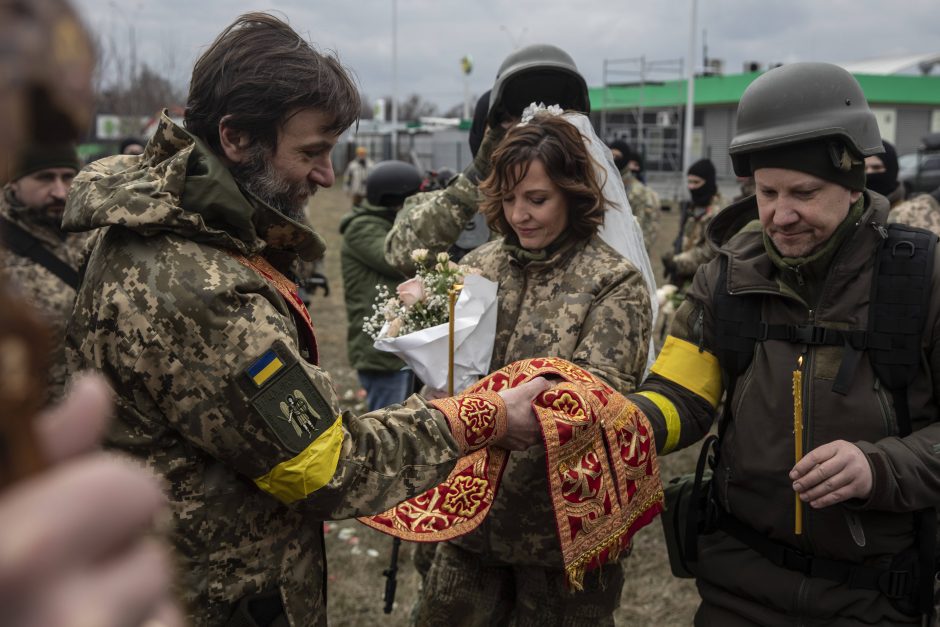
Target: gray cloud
[(433, 35)]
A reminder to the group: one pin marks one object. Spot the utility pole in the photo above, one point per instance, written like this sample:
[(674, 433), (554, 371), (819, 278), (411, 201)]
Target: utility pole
[(689, 95), (394, 79)]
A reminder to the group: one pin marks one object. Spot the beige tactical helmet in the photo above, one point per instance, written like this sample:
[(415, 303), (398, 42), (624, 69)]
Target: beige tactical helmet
[(797, 102), (46, 65)]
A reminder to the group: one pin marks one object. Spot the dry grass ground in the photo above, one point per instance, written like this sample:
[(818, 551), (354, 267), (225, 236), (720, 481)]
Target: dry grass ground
[(357, 555)]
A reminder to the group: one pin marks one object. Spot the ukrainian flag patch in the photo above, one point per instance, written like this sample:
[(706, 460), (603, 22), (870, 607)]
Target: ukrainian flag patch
[(264, 368)]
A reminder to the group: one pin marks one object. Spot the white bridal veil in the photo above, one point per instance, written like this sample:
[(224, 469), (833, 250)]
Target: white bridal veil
[(620, 229)]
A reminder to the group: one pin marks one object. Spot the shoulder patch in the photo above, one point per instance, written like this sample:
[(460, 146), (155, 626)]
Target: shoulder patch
[(287, 400)]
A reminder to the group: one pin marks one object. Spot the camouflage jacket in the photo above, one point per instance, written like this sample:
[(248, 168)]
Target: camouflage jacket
[(920, 211), (216, 390), (47, 293), (587, 304), (364, 268), (696, 251), (645, 205), (431, 220)]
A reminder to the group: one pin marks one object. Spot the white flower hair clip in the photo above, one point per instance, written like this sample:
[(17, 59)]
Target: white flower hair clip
[(539, 107)]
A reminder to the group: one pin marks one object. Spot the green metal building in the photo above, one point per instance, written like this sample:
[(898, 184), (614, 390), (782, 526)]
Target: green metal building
[(907, 108)]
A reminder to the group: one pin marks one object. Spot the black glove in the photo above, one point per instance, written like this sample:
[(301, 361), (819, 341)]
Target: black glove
[(483, 161)]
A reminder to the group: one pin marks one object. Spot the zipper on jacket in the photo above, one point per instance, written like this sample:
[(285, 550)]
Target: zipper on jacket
[(882, 231), (799, 276)]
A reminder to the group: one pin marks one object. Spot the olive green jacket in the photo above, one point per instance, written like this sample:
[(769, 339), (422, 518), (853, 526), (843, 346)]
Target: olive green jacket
[(757, 451)]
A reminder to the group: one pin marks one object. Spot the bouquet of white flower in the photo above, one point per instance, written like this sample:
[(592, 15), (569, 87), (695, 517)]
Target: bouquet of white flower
[(414, 324)]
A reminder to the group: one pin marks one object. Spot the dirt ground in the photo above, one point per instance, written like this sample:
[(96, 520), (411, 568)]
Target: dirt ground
[(357, 555)]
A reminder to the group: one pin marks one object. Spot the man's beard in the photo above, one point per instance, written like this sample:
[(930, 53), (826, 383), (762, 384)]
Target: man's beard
[(258, 176)]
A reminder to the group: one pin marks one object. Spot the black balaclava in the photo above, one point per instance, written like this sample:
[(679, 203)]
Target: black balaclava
[(885, 182), (703, 168), (639, 174), (625, 151), (478, 125)]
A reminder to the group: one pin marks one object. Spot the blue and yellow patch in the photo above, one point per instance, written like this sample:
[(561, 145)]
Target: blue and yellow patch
[(264, 368)]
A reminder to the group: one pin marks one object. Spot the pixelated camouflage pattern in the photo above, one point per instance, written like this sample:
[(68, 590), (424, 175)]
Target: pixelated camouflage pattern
[(757, 446), (51, 297), (482, 593), (173, 320), (696, 251), (431, 220), (921, 211), (645, 205), (587, 304)]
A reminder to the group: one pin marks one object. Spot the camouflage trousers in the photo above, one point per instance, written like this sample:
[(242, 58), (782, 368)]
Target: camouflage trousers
[(464, 589)]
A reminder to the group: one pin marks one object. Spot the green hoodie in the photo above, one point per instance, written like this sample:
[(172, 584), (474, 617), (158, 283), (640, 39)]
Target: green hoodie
[(364, 269)]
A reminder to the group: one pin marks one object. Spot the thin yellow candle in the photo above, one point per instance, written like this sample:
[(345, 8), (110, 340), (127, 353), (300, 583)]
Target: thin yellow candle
[(798, 436), (452, 305)]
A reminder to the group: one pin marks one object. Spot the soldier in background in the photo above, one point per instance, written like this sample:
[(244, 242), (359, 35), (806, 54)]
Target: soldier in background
[(746, 186), (364, 269), (39, 259), (643, 200), (354, 179), (131, 146), (186, 309), (881, 175), (694, 250)]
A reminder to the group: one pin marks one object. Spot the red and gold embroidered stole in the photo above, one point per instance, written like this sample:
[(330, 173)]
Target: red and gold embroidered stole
[(287, 289), (601, 461)]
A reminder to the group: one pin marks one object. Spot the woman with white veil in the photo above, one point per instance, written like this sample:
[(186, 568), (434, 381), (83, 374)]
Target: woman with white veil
[(574, 283), (620, 230)]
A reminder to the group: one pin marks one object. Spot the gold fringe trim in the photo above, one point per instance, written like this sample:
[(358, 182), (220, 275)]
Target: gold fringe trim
[(575, 571)]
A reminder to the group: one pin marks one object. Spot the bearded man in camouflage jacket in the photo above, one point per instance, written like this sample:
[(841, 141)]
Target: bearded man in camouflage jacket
[(211, 353), (39, 259)]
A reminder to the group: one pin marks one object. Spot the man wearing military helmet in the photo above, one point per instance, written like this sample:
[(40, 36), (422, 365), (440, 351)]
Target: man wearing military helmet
[(820, 326)]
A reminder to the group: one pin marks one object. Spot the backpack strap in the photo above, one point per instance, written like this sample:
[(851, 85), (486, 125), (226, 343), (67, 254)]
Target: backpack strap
[(23, 244), (900, 298), (738, 325)]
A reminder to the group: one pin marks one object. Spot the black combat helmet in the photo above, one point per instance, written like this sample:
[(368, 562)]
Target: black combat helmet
[(391, 182), (537, 73), (798, 102)]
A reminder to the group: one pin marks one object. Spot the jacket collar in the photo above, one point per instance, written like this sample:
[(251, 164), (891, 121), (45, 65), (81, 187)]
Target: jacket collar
[(737, 234), (179, 185)]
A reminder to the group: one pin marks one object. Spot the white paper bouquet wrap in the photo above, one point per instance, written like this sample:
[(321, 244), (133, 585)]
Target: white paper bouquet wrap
[(426, 351)]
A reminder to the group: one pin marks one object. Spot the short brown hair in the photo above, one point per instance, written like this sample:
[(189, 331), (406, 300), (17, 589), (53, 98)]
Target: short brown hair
[(558, 145), (260, 72)]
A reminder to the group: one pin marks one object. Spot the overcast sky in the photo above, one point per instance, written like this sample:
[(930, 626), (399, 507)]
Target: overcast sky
[(434, 34)]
